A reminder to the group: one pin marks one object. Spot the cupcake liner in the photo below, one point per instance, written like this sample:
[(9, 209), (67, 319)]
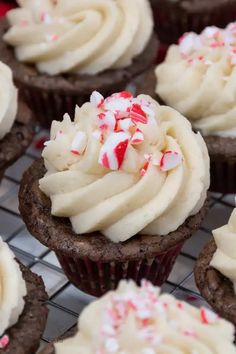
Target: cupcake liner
[(49, 105), (215, 288), (172, 19), (96, 278)]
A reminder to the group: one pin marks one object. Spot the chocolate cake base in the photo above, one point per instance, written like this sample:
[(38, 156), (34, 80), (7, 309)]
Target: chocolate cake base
[(50, 97), (91, 261), (14, 144), (222, 150), (173, 18), (25, 335), (214, 287)]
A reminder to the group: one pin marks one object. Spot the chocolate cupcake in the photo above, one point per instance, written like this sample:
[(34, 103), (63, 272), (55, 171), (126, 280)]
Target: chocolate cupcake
[(197, 79), (57, 66), (173, 18), (23, 313), (139, 320), (215, 273), (123, 188), (16, 122)]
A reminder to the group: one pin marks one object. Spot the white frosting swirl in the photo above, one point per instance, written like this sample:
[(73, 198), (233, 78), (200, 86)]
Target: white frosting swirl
[(198, 79), (12, 289), (125, 164), (138, 320), (224, 259), (80, 36), (8, 100)]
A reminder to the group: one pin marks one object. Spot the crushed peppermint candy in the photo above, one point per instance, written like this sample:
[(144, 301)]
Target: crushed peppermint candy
[(208, 316), (79, 143), (170, 160), (211, 38), (4, 341)]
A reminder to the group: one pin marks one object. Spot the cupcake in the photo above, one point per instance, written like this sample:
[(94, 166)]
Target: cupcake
[(16, 123), (197, 79), (23, 313), (173, 18), (138, 320), (215, 271), (60, 51), (120, 190)]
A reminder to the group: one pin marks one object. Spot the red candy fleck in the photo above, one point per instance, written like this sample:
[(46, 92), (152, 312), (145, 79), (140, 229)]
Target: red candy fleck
[(125, 94), (120, 151), (137, 114), (105, 161), (4, 341)]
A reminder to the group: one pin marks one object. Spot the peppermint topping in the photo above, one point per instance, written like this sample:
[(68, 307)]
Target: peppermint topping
[(211, 38), (113, 151), (4, 341), (79, 143), (121, 124), (170, 160), (96, 99), (146, 309), (208, 317)]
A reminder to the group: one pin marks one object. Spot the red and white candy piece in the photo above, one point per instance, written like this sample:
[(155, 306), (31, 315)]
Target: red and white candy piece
[(96, 99), (138, 137), (113, 151), (4, 341), (170, 160), (45, 17), (117, 104), (79, 143), (148, 158), (124, 124), (207, 316), (137, 114), (106, 120), (52, 37), (211, 32), (188, 43)]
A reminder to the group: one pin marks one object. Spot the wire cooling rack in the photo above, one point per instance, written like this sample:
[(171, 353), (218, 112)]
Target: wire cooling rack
[(66, 302)]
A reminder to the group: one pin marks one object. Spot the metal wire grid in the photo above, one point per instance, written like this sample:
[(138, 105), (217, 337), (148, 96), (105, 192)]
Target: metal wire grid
[(66, 302)]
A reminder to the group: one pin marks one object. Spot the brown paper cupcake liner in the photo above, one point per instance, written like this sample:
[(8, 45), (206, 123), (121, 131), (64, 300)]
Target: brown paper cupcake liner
[(14, 144), (91, 261), (50, 97), (172, 19), (96, 278), (215, 288), (24, 336)]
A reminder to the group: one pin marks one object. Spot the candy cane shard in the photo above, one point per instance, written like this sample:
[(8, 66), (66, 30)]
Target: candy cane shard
[(170, 160), (4, 341), (137, 137), (207, 316), (96, 99), (137, 114), (106, 120), (113, 151), (79, 143)]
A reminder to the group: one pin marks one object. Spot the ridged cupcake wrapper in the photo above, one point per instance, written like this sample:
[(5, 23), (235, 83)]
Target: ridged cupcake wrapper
[(96, 278), (49, 106), (223, 175), (170, 25)]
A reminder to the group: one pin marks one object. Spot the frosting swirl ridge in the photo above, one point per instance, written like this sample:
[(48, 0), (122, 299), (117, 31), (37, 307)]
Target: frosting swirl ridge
[(198, 79), (8, 100), (80, 36), (139, 320), (224, 259), (125, 163), (12, 289)]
